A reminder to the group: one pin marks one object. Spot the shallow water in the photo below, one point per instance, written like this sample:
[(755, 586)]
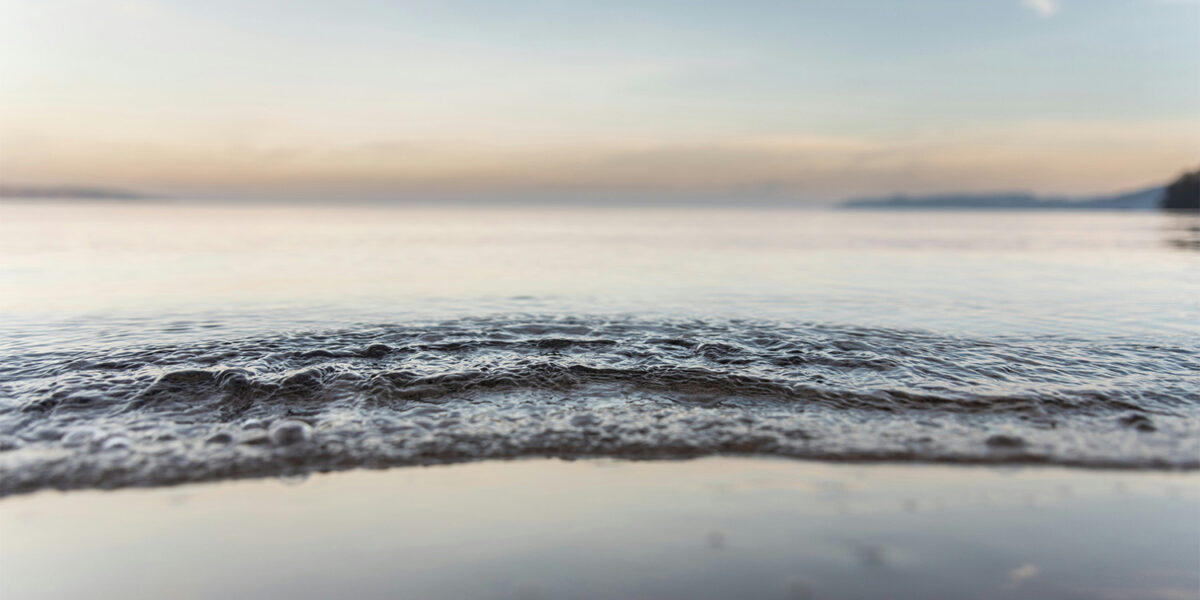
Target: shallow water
[(708, 528), (151, 344)]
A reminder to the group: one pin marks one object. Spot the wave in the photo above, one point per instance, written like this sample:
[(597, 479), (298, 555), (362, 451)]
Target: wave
[(116, 414)]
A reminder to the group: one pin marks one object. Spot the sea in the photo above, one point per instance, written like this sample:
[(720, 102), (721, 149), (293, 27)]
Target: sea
[(155, 343)]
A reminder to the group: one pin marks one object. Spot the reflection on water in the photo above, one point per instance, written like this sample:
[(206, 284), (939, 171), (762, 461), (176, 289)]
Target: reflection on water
[(167, 270), (712, 528), (1182, 231)]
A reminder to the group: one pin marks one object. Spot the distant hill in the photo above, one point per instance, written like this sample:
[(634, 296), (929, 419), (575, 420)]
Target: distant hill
[(67, 191), (1145, 199)]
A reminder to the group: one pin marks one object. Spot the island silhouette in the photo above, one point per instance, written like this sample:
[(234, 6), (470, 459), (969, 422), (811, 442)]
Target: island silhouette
[(1182, 194)]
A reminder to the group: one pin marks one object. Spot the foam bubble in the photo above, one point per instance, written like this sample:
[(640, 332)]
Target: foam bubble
[(500, 387)]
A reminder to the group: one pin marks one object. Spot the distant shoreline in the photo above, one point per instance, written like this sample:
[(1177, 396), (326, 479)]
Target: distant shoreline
[(10, 192), (1141, 200)]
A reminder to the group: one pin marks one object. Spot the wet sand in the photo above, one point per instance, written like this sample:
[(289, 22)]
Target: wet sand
[(544, 528)]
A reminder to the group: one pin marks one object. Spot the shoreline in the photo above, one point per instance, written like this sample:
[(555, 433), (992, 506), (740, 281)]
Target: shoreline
[(1001, 460), (760, 527)]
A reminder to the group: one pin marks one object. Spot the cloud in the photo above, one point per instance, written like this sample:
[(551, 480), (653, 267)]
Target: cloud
[(1020, 575), (1045, 8)]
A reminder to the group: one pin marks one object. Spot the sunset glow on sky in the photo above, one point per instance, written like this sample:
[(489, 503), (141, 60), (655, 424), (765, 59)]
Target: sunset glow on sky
[(811, 101)]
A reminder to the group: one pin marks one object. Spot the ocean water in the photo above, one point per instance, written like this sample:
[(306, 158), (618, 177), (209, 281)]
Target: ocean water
[(148, 344)]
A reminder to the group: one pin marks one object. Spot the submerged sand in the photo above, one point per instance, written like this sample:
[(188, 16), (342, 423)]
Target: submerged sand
[(546, 528)]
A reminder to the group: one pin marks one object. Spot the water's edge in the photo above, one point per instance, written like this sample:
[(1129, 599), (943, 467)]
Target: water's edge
[(108, 415)]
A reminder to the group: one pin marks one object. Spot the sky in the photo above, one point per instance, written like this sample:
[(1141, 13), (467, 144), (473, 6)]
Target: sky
[(799, 100)]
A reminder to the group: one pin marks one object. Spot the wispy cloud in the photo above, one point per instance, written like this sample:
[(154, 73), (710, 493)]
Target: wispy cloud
[(1020, 575), (1045, 8)]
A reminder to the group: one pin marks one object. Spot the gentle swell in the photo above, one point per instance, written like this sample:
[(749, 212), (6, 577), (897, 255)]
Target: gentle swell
[(117, 415)]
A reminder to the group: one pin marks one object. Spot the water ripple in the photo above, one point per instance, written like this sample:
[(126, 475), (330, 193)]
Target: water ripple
[(117, 414)]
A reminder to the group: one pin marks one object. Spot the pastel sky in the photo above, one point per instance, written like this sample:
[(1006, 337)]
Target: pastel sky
[(810, 100)]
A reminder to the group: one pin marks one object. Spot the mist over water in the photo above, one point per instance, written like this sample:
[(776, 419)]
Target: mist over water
[(157, 344)]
